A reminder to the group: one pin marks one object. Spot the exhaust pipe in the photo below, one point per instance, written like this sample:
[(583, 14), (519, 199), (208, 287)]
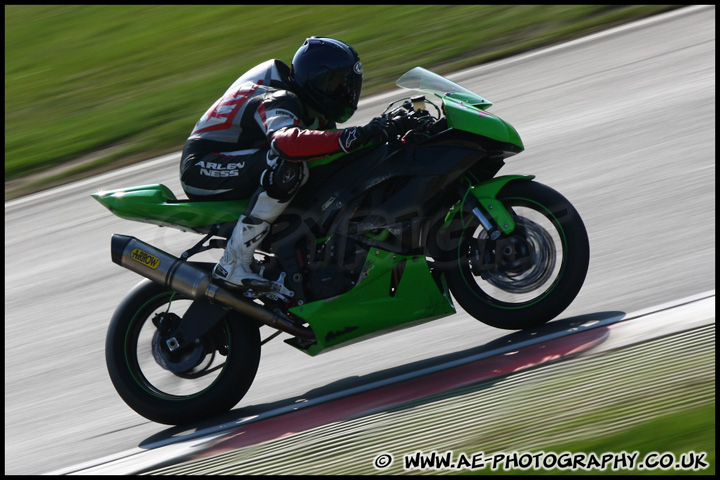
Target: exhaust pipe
[(168, 270)]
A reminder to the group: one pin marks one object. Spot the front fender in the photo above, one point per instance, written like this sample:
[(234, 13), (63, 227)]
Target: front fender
[(486, 194)]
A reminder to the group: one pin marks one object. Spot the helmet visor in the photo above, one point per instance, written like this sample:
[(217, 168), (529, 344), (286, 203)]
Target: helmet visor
[(342, 89)]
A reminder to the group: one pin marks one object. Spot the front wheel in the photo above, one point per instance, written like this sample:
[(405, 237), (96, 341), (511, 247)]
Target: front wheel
[(527, 278), (183, 385)]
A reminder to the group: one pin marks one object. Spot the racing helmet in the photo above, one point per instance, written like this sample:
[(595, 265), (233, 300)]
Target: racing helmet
[(327, 75)]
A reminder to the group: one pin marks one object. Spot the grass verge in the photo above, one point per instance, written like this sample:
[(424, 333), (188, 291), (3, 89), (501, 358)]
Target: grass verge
[(99, 86)]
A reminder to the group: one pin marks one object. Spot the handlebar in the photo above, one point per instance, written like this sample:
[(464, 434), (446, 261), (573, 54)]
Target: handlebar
[(411, 117)]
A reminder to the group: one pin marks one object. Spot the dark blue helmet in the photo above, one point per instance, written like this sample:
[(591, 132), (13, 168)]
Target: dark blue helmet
[(327, 75)]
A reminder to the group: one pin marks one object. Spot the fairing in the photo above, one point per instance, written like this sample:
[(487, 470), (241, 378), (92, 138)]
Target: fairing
[(394, 291), (464, 109), (156, 204)]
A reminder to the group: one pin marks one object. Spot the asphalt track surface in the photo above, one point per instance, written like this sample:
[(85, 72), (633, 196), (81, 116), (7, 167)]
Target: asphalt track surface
[(621, 123), (290, 429)]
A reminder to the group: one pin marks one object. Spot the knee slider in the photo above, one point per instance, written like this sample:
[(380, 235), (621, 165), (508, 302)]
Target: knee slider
[(282, 180)]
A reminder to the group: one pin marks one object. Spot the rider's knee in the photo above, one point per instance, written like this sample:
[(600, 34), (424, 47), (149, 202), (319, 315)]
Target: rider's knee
[(283, 179)]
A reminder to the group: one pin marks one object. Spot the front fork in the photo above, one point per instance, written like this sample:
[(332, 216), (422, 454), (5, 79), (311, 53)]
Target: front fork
[(482, 200)]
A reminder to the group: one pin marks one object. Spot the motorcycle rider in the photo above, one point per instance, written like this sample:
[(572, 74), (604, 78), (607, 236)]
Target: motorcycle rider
[(255, 140)]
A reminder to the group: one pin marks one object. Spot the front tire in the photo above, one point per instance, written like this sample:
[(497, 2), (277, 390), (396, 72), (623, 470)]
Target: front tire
[(525, 279), (186, 385)]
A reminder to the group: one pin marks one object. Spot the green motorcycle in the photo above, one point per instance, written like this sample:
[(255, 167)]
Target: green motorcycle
[(377, 240)]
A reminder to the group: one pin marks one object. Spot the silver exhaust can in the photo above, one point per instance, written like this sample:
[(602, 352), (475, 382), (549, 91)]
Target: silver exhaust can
[(159, 266), (186, 278)]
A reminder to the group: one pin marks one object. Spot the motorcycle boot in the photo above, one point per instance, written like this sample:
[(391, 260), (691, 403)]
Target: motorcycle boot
[(235, 265)]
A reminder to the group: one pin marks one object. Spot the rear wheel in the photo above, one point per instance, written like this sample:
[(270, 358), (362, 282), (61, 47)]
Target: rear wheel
[(181, 385), (527, 278)]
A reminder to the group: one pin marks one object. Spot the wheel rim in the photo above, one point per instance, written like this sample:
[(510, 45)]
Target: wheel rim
[(179, 374), (517, 270)]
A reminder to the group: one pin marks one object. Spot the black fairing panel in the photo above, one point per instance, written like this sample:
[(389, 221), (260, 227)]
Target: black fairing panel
[(403, 182)]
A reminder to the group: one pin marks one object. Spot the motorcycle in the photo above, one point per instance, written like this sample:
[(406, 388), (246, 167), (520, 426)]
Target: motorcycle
[(379, 239)]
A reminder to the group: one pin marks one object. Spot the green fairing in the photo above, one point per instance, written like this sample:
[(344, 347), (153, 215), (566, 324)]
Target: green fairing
[(373, 307), (470, 98), (486, 194), (158, 205), (325, 160), (463, 115)]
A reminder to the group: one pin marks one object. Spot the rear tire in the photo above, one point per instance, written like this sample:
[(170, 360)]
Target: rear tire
[(228, 355), (527, 279)]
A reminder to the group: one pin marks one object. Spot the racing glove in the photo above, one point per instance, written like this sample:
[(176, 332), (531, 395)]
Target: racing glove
[(379, 130)]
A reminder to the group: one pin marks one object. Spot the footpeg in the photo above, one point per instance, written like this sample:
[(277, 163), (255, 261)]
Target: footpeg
[(279, 287), (273, 290)]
